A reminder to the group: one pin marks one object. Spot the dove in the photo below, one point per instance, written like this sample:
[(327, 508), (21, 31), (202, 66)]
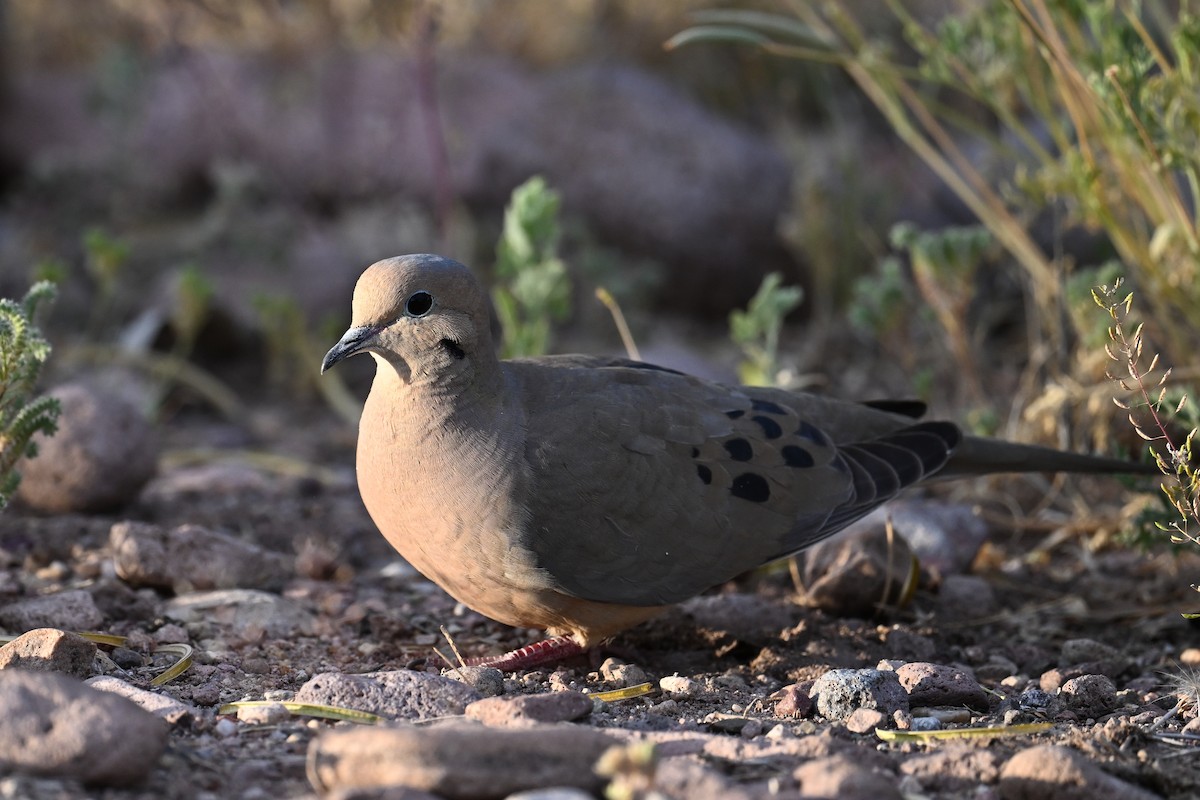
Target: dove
[(583, 495)]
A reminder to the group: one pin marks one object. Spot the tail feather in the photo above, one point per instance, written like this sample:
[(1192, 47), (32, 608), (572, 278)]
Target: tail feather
[(976, 455)]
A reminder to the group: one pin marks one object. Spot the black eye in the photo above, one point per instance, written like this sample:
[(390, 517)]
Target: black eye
[(418, 304)]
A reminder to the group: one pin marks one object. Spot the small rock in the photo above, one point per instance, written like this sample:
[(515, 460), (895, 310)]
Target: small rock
[(848, 574), (926, 724), (49, 650), (271, 714), (965, 597), (488, 681), (840, 691), (55, 725), (949, 715), (396, 694), (622, 674), (70, 610), (1054, 772), (171, 634), (939, 685), (225, 728), (458, 760), (530, 709), (903, 720), (905, 646), (1053, 679), (838, 777), (1037, 699), (1081, 651), (728, 723), (865, 720), (1089, 656), (102, 455), (953, 768), (192, 558), (1090, 695), (1190, 657), (553, 793), (248, 613), (161, 705), (678, 687), (794, 700)]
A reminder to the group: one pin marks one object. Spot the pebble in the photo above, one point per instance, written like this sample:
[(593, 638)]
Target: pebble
[(225, 728), (248, 614), (1090, 695), (530, 709), (865, 720), (49, 650), (678, 687), (55, 725), (104, 452), (925, 724), (622, 674), (840, 691), (193, 558), (953, 768), (1190, 657), (1053, 772), (553, 793), (272, 714), (951, 715), (940, 685), (74, 609), (457, 759), (839, 777), (161, 705), (945, 536), (965, 597), (1090, 656), (794, 700), (395, 694), (848, 574), (488, 681)]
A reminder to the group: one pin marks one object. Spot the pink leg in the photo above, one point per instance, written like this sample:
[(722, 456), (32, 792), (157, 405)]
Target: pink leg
[(532, 655)]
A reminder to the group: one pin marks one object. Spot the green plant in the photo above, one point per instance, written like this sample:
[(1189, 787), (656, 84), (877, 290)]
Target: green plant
[(1151, 417), (532, 287), (189, 312), (105, 257), (756, 331), (1092, 113), (23, 351)]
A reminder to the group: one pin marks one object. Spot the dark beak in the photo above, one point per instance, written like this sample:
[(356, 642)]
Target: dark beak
[(353, 342)]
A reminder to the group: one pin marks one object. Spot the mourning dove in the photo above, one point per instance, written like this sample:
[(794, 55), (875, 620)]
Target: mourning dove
[(583, 495)]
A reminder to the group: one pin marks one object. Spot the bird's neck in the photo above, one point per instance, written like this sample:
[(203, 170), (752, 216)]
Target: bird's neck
[(474, 395)]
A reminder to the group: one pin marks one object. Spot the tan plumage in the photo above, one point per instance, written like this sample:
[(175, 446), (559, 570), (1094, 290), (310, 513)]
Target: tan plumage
[(582, 495)]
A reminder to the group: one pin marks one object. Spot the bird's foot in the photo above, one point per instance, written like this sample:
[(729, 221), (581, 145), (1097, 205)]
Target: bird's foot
[(555, 648)]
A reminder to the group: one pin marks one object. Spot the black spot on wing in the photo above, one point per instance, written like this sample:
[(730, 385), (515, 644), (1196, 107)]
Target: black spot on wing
[(752, 487), (705, 474), (770, 427), (795, 456), (736, 414), (739, 449), (768, 407)]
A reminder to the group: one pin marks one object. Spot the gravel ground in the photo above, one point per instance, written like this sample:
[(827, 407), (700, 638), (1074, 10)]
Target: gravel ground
[(277, 580)]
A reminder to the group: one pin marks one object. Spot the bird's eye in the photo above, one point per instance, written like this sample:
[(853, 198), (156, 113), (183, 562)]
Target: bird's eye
[(418, 304)]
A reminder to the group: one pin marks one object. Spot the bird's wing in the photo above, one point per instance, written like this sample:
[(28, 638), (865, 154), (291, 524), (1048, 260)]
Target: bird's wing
[(649, 486)]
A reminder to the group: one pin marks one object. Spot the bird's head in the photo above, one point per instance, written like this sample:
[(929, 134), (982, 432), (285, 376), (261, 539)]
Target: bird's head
[(424, 315)]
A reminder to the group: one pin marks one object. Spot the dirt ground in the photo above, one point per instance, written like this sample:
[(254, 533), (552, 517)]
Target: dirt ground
[(742, 643)]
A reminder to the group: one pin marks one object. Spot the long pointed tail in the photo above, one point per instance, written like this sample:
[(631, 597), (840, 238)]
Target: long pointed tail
[(976, 455)]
